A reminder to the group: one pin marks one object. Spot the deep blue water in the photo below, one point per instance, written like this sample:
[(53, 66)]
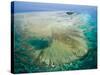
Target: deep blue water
[(19, 7)]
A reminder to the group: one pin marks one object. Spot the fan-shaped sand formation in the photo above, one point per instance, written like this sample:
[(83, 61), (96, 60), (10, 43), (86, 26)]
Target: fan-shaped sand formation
[(53, 37)]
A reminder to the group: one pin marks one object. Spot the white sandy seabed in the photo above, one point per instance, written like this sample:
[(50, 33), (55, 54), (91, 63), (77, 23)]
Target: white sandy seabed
[(68, 43)]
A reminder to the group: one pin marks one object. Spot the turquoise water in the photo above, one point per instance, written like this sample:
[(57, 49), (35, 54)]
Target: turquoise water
[(23, 62)]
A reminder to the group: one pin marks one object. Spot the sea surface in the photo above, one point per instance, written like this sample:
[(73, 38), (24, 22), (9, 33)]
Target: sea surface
[(48, 15)]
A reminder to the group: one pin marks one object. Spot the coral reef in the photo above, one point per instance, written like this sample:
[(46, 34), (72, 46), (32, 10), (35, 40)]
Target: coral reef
[(49, 40)]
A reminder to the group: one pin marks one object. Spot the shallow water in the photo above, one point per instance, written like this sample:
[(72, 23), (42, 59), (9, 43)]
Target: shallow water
[(35, 33)]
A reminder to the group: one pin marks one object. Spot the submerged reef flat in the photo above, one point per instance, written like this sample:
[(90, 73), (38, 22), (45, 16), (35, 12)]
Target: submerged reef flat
[(48, 40)]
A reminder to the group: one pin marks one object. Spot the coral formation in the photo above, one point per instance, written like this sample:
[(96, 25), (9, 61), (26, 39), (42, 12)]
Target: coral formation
[(50, 38)]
